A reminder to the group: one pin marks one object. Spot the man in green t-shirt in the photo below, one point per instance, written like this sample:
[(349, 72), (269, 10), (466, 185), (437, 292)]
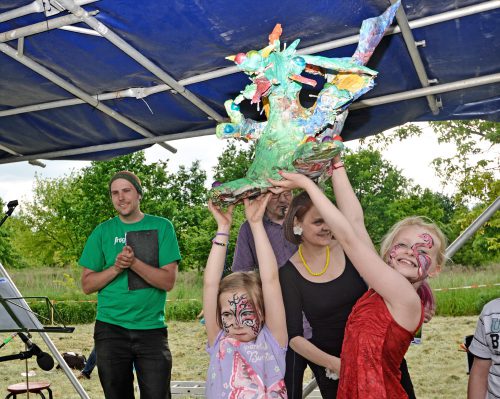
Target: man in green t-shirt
[(130, 331)]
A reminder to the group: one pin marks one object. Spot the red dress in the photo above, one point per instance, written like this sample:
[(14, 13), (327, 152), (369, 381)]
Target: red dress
[(373, 349)]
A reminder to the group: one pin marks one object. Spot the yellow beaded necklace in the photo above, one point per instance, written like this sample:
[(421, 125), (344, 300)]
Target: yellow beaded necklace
[(307, 266)]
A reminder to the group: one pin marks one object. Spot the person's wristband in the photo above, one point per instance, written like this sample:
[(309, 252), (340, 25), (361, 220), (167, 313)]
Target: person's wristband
[(337, 165), (221, 244), (222, 234)]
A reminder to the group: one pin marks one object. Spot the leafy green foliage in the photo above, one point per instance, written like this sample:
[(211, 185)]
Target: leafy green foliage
[(54, 227), (234, 162), (377, 184), (473, 171), (183, 310)]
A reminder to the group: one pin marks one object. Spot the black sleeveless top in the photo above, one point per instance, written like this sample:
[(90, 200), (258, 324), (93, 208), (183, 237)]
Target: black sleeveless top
[(325, 305)]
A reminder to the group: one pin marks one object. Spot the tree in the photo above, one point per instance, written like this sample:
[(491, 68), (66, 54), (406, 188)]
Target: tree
[(377, 184), (476, 181), (234, 162), (66, 210)]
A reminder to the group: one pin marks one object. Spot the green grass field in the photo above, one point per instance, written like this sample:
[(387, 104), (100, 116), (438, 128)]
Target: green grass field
[(64, 284), (437, 367)]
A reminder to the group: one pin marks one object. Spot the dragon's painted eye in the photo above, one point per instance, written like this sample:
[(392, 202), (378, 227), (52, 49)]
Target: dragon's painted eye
[(239, 58), (299, 61)]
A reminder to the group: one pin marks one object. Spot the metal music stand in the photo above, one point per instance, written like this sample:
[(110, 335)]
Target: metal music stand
[(17, 316)]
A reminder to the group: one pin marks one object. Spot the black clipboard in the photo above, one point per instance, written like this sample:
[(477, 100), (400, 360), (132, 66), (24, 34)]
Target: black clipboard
[(145, 246)]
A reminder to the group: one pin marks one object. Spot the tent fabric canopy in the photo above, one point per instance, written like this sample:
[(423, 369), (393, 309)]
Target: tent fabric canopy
[(126, 74)]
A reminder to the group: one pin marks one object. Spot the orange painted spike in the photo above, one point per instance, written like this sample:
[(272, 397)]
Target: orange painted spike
[(275, 34)]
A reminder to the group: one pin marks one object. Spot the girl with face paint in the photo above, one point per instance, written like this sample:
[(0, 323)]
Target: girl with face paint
[(384, 320), (244, 315)]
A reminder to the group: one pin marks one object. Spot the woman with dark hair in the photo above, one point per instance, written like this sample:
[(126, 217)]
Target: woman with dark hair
[(320, 281)]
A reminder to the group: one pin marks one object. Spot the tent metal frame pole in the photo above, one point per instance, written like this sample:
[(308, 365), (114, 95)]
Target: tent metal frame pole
[(71, 377), (464, 84), (144, 92), (111, 146), (415, 24), (486, 215), (134, 92), (470, 10), (40, 27), (7, 149), (437, 89), (34, 7), (411, 45), (107, 33), (83, 31), (31, 8), (6, 49)]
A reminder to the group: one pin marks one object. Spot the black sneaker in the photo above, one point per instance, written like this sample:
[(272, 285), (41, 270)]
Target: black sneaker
[(83, 375)]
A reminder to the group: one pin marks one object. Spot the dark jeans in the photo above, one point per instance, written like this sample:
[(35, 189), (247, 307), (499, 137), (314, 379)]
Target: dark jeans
[(90, 364), (294, 376), (120, 350)]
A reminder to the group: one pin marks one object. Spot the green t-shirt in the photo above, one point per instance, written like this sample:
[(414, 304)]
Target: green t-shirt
[(141, 309)]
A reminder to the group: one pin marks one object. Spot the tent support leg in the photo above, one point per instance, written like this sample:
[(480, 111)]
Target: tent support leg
[(474, 226)]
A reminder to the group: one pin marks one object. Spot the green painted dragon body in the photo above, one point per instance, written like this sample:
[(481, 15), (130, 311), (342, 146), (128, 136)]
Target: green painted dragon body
[(294, 138)]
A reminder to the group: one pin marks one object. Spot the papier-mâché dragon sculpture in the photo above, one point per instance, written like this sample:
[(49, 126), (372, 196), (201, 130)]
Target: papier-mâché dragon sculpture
[(295, 138)]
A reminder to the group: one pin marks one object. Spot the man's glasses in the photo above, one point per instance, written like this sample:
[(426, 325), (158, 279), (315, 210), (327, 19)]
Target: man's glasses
[(284, 194)]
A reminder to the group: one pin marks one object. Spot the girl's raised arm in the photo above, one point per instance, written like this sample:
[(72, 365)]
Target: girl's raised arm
[(268, 268), (214, 269), (347, 201), (400, 296)]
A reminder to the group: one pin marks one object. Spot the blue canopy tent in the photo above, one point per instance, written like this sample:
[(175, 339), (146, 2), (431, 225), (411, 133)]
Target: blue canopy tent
[(86, 79), (90, 80)]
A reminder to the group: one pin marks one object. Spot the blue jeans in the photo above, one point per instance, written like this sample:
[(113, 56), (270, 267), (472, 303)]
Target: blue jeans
[(120, 350), (90, 364)]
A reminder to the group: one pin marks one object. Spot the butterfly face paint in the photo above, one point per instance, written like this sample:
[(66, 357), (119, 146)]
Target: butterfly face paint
[(239, 316), (423, 259)]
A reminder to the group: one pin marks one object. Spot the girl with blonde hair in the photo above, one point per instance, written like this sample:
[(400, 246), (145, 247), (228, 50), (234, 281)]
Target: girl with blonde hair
[(383, 321), (244, 316)]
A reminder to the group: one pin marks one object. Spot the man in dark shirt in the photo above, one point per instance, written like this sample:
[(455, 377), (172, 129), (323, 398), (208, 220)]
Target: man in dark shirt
[(245, 257)]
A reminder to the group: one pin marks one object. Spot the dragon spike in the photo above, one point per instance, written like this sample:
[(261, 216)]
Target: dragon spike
[(275, 34), (291, 48), (266, 51)]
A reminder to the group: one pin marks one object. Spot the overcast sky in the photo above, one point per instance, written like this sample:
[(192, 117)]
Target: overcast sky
[(412, 156)]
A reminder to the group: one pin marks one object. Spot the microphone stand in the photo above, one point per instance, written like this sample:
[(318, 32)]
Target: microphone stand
[(22, 356), (43, 332), (11, 206)]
